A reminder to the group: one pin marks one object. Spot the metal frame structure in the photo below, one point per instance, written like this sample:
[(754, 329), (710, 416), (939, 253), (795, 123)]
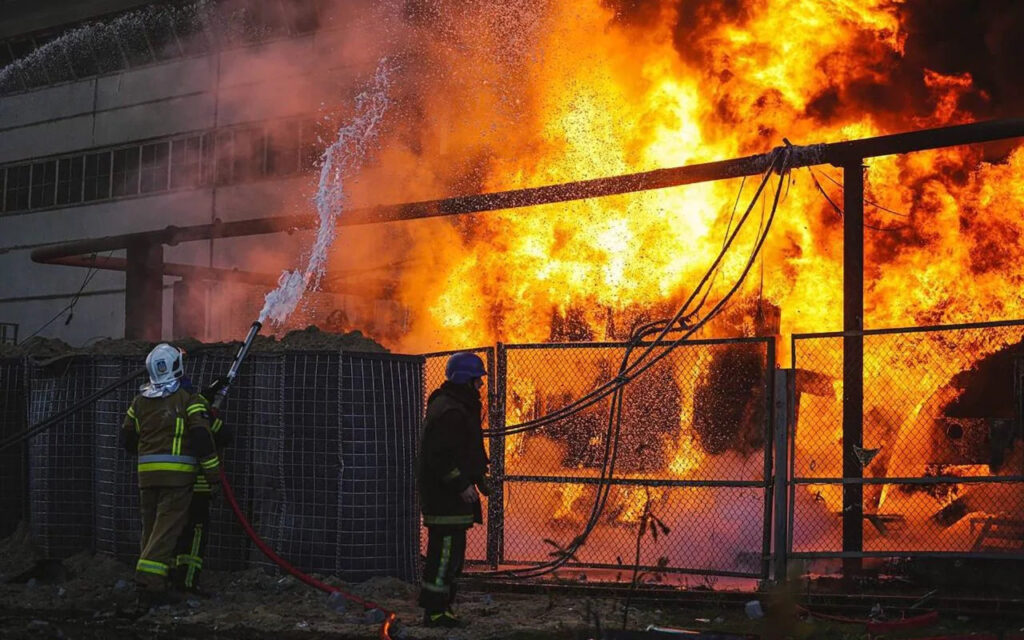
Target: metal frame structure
[(852, 479), (145, 263)]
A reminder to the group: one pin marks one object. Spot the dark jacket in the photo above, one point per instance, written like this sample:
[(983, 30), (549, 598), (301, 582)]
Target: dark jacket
[(452, 455)]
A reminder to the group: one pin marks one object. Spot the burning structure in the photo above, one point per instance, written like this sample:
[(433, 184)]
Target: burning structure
[(515, 96)]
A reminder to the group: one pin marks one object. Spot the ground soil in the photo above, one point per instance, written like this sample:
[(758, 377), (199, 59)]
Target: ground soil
[(90, 596)]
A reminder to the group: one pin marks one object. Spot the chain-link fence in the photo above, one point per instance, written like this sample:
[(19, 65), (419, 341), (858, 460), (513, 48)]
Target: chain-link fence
[(693, 448), (321, 459), (13, 470), (938, 458)]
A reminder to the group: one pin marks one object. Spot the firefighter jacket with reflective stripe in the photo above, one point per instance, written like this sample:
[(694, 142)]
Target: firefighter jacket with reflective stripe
[(172, 438), (452, 455)]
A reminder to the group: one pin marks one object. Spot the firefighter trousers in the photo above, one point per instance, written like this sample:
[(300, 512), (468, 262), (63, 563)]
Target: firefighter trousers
[(446, 553), (164, 514), (191, 545)]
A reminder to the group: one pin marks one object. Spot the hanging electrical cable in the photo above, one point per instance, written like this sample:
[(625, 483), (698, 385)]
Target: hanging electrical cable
[(777, 164), (630, 371)]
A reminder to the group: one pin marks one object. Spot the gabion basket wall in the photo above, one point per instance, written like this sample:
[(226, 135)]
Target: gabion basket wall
[(321, 460), (13, 418)]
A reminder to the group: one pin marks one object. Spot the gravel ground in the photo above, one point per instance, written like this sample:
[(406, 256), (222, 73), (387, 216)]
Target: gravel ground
[(90, 596)]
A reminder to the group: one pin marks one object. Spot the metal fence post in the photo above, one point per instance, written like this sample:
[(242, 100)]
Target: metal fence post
[(782, 411), (770, 402), (853, 362), (496, 420)]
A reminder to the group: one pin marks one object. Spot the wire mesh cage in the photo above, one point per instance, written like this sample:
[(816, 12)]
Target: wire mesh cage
[(321, 458), (940, 459), (61, 459), (13, 467)]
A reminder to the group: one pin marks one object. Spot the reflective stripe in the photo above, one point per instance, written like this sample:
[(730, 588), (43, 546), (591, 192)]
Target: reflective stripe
[(165, 462), (442, 566), (465, 519), (186, 560), (211, 463), (217, 424), (435, 588), (131, 414), (197, 564), (163, 457), (151, 566), (179, 433), (454, 473), (195, 408), (166, 466)]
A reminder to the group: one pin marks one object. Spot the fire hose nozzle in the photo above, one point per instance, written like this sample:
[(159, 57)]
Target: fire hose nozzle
[(236, 365)]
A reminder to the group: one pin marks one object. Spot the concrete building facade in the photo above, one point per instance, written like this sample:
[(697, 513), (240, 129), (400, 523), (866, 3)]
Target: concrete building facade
[(138, 124)]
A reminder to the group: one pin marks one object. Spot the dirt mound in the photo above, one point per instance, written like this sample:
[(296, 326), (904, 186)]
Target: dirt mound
[(313, 339), (309, 339)]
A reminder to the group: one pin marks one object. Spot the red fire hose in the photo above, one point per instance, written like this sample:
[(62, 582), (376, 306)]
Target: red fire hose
[(229, 495)]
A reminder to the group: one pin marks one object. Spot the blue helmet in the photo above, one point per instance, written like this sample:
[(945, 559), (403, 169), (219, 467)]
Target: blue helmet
[(463, 367)]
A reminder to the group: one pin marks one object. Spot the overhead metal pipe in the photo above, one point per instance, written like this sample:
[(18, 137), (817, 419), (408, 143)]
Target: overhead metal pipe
[(838, 153)]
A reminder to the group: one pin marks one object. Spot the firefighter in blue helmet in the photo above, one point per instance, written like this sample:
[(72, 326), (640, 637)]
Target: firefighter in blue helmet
[(452, 469)]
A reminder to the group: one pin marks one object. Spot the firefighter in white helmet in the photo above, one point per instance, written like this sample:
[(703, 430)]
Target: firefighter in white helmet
[(169, 428)]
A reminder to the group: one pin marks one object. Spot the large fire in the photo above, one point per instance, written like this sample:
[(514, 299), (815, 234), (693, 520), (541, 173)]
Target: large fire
[(509, 95)]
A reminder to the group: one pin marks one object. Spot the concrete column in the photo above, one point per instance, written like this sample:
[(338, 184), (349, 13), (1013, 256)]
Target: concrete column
[(144, 295)]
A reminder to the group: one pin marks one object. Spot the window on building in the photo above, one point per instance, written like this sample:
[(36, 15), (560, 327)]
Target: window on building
[(58, 68), (223, 150), (18, 186), (9, 82), (208, 162), (135, 45), (125, 172), (8, 333), (97, 176), (160, 31), (283, 148), (44, 184), (69, 180), (186, 162), (248, 156), (303, 14), (33, 75), (106, 49), (82, 56), (155, 167), (310, 146), (191, 32)]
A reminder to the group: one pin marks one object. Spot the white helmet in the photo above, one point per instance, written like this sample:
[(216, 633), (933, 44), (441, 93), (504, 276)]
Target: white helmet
[(164, 364)]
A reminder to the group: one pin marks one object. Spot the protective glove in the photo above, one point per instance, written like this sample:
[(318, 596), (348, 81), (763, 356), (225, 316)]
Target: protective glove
[(210, 392), (484, 485), (469, 495)]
